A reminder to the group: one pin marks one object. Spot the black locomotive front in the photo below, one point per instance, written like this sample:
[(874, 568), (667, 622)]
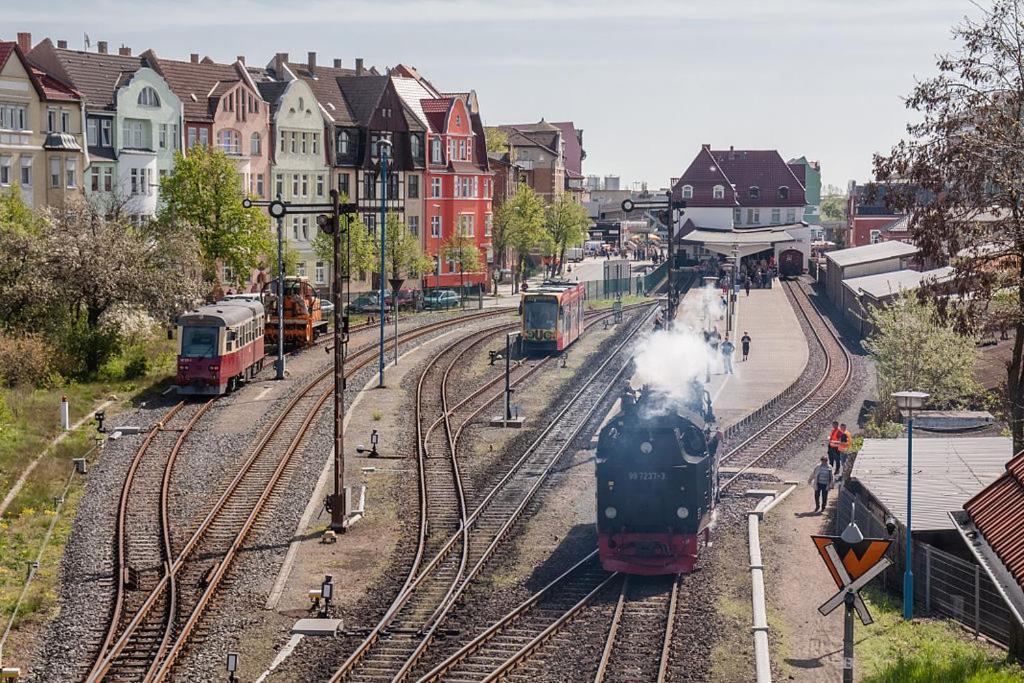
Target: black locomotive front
[(656, 483)]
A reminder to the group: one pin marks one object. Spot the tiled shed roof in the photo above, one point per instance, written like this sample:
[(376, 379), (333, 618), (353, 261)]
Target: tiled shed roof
[(324, 84), (998, 512), (97, 76), (198, 86)]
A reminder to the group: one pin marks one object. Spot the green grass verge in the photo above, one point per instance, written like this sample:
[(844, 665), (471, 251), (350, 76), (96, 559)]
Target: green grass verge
[(599, 304), (924, 651)]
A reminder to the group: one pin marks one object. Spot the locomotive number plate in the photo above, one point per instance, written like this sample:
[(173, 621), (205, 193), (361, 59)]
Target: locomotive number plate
[(647, 476)]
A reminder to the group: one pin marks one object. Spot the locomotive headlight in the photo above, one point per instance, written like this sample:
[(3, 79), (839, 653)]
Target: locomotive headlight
[(646, 447), (610, 512), (682, 513)]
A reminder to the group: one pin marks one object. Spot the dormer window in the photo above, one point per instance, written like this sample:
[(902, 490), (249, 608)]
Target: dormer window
[(343, 143), (687, 192), (148, 98), (783, 192), (414, 146), (755, 192), (718, 192), (435, 151)]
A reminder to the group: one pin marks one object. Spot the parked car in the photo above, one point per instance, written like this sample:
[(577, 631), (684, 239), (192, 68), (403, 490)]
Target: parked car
[(326, 308), (367, 302), (408, 299), (441, 298)]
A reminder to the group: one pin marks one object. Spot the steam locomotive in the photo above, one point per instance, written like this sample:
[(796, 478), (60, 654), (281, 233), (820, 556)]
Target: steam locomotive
[(657, 481)]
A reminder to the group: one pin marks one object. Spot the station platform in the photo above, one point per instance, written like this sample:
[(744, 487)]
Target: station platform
[(778, 351)]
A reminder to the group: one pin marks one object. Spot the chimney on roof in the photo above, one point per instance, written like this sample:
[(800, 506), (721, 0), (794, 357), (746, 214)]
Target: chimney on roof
[(25, 41), (241, 59), (732, 152), (359, 66), (62, 44), (280, 59), (101, 47), (124, 51), (337, 63), (311, 63), (706, 146), (194, 58)]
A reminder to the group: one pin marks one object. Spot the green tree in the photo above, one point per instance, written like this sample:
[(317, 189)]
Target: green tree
[(958, 175), (833, 208), (915, 349), (566, 224), (464, 255), (22, 294), (520, 226), (497, 140), (291, 261), (203, 195), (356, 244), (403, 255), (93, 266)]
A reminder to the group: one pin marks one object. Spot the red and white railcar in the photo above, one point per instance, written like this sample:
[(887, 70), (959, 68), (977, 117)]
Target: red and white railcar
[(220, 345)]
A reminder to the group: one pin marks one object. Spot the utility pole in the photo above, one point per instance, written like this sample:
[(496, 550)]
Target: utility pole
[(673, 296)]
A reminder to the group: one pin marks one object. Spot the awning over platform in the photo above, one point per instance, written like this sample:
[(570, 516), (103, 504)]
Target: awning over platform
[(747, 241)]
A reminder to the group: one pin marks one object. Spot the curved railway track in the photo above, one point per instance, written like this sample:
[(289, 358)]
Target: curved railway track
[(834, 378), (508, 646), (150, 625), (394, 646)]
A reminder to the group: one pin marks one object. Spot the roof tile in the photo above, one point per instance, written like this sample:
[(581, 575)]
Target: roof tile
[(998, 512)]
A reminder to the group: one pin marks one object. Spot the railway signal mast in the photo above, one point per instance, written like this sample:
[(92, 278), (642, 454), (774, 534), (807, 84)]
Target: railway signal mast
[(670, 206), (328, 218)]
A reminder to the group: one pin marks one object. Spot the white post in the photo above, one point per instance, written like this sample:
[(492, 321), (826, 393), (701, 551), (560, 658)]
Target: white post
[(65, 416)]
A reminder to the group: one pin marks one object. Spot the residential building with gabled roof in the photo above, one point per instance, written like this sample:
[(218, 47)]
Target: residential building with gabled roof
[(539, 150), (41, 142), (133, 123)]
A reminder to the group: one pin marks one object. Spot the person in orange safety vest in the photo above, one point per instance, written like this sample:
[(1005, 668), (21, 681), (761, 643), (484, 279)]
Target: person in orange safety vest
[(834, 439)]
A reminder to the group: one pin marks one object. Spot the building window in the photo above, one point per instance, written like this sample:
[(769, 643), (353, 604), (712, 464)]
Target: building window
[(435, 226), (305, 185), (92, 132), (320, 272), (162, 139), (343, 143), (783, 192), (108, 179), (12, 116), (295, 228), (319, 186), (316, 143), (488, 224), (412, 187), (755, 192), (54, 172), (26, 172), (94, 179), (51, 120), (254, 145), (462, 149), (371, 223), (718, 192), (414, 146), (278, 185), (204, 137), (259, 185), (737, 216), (687, 192), (305, 139), (776, 216), (305, 230), (5, 171), (134, 136), (192, 137), (791, 215), (105, 136), (876, 236), (300, 269), (230, 141), (457, 187), (175, 139), (753, 216), (466, 225), (295, 184), (280, 136), (414, 225), (148, 98), (435, 151), (343, 185), (70, 168), (65, 121)]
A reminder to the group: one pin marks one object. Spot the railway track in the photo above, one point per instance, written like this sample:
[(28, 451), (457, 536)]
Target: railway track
[(646, 606), (835, 377), (152, 623), (393, 647)]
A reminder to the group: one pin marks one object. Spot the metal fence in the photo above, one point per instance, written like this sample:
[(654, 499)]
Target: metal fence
[(944, 584), (610, 289)]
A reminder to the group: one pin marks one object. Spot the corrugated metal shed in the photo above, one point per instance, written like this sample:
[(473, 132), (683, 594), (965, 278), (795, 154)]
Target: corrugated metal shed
[(870, 253), (947, 472), (882, 285), (998, 512)]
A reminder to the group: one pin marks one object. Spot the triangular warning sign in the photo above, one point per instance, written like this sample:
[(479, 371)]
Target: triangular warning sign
[(857, 558)]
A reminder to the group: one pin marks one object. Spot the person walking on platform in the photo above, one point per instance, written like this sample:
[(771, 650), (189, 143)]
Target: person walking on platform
[(746, 284), (745, 343), (833, 446), (727, 348), (821, 479), (845, 440)]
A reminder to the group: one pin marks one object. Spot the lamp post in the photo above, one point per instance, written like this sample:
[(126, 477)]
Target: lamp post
[(909, 401), (383, 145)]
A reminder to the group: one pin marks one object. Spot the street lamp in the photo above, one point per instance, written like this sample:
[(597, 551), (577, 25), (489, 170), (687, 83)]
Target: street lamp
[(383, 147), (909, 401)]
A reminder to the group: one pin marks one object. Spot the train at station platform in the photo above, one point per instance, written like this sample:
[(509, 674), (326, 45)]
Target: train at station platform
[(220, 346), (552, 316), (657, 482)]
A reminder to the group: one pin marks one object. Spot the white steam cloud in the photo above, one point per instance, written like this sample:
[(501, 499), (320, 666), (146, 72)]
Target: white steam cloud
[(670, 361)]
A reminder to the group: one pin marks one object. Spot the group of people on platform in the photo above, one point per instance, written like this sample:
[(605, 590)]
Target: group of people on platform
[(726, 348)]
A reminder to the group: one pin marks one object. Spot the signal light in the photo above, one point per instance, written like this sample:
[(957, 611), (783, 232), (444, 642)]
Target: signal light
[(610, 512)]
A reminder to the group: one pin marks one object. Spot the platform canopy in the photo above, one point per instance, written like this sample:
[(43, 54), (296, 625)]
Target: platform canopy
[(747, 241)]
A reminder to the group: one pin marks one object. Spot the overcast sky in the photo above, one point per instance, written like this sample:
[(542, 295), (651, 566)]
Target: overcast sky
[(647, 80)]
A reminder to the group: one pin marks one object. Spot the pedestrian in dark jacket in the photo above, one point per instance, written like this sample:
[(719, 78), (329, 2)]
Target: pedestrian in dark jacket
[(821, 479), (745, 343)]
